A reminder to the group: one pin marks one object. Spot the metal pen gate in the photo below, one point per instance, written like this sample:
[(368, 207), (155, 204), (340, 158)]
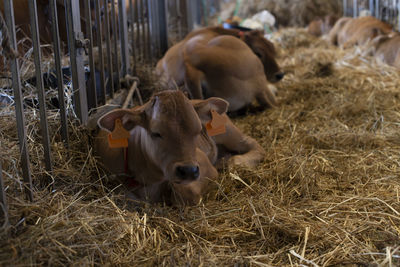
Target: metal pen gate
[(386, 10), (135, 32)]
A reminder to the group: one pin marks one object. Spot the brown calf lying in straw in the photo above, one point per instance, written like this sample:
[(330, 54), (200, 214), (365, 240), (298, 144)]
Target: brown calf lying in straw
[(386, 48), (321, 26), (348, 32), (225, 63), (171, 146)]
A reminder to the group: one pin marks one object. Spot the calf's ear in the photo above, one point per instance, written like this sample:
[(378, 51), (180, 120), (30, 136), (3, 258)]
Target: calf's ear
[(204, 107), (128, 118)]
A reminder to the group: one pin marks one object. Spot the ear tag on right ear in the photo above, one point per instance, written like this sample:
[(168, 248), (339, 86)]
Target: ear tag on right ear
[(118, 138), (217, 124)]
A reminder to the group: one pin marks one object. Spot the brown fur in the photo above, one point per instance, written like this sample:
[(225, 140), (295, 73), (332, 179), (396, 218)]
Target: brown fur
[(349, 32), (385, 47), (197, 63), (169, 131), (320, 26)]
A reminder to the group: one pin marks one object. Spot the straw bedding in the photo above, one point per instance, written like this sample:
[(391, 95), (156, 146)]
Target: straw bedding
[(326, 194)]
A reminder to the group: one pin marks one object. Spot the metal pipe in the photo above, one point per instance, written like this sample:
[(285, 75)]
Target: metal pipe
[(76, 50), (377, 9), (57, 62), (91, 89), (132, 19), (19, 110), (355, 8), (108, 47), (100, 50), (163, 26), (123, 37), (189, 15), (398, 15), (142, 31), (115, 43), (39, 84), (130, 94), (137, 23), (148, 33), (156, 30), (344, 7), (180, 19), (371, 6)]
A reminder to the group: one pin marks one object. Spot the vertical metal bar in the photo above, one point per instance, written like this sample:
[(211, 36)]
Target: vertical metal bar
[(143, 32), (377, 9), (19, 110), (100, 50), (344, 7), (57, 59), (163, 26), (132, 15), (200, 11), (123, 37), (398, 15), (158, 16), (150, 29), (371, 7), (189, 15), (91, 88), (148, 33), (39, 84), (137, 22), (115, 42), (180, 18), (3, 197), (108, 47), (75, 40), (355, 8), (155, 28)]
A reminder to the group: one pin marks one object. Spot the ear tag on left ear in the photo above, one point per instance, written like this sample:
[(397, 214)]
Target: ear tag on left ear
[(118, 138), (217, 124)]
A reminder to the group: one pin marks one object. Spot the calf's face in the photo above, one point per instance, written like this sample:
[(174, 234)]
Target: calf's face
[(265, 51), (169, 130)]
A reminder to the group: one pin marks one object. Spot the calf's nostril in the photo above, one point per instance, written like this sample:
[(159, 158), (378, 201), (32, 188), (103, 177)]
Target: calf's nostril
[(279, 75), (195, 172), (187, 172)]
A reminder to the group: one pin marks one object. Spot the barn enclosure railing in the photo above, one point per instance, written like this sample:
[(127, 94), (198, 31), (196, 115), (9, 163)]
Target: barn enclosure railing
[(105, 42), (386, 10)]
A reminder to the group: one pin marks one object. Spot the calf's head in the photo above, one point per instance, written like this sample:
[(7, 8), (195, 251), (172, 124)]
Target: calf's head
[(166, 128), (265, 51)]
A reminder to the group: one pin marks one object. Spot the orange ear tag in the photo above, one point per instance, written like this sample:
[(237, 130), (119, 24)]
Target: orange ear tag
[(217, 124), (119, 137)]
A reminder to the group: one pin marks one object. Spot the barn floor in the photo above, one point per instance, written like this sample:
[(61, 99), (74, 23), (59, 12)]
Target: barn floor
[(328, 192)]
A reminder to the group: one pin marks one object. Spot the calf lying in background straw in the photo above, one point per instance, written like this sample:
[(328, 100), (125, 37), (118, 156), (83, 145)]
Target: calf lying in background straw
[(349, 32), (321, 26), (226, 63), (169, 146), (386, 48)]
